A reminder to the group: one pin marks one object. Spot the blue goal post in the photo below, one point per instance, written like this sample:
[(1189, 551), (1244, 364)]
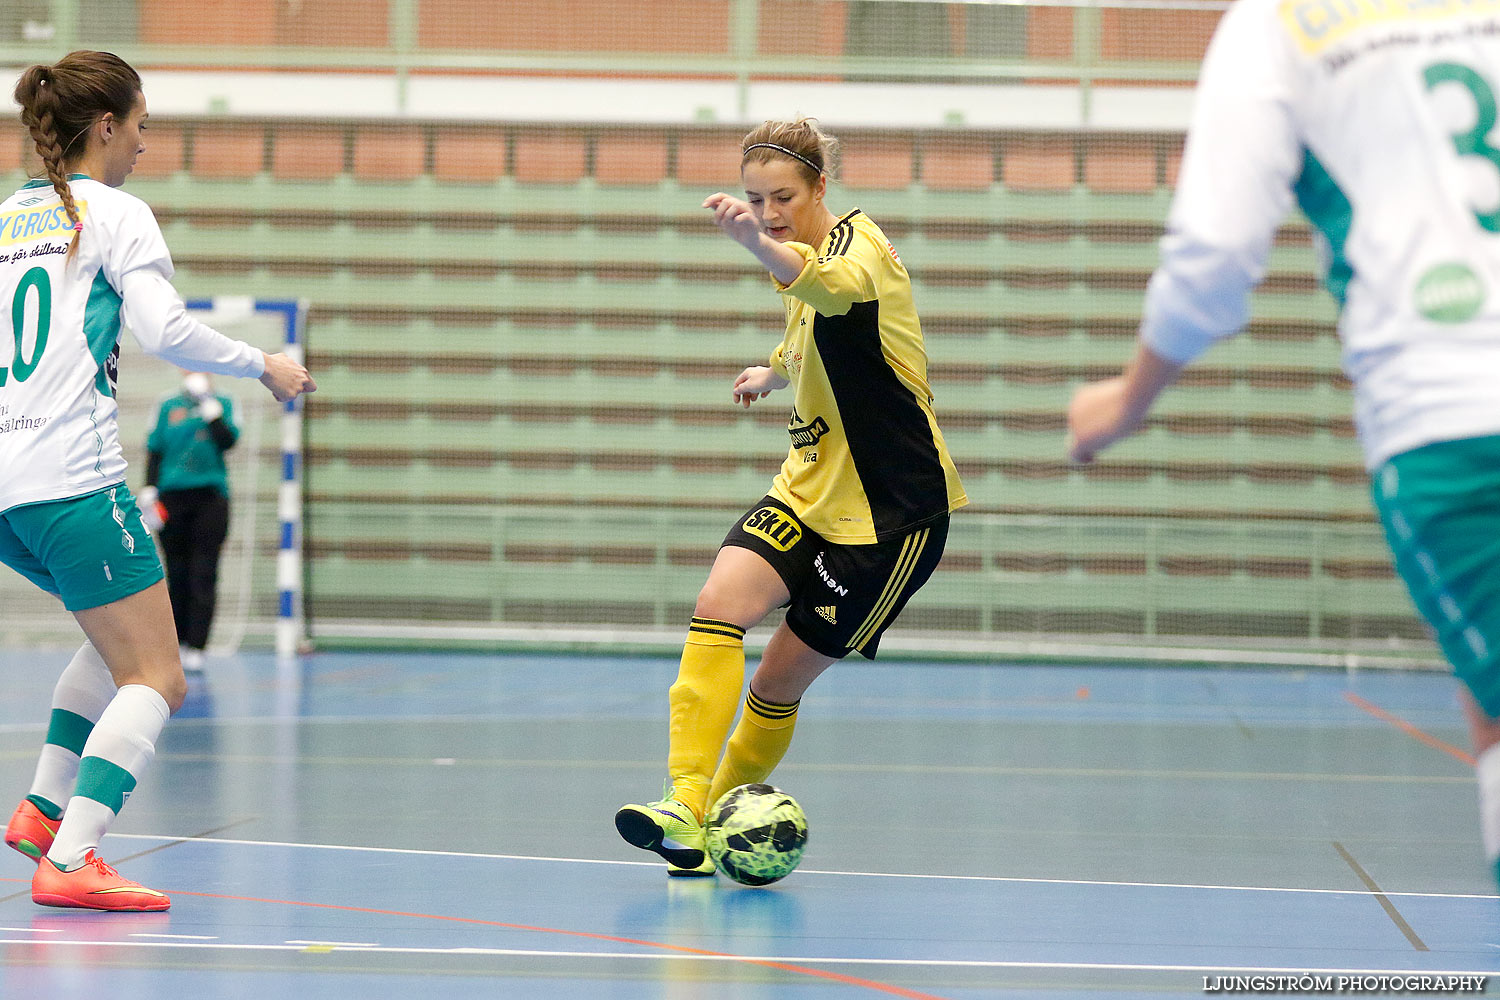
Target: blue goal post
[(290, 627)]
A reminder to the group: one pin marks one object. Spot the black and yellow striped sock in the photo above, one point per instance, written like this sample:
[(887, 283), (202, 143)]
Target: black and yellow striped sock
[(702, 703), (757, 746)]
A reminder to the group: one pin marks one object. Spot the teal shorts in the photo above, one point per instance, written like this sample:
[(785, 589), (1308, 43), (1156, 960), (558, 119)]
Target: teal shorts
[(1440, 506), (88, 550)]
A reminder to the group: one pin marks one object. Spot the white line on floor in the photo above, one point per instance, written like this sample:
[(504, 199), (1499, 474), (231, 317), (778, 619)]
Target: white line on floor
[(181, 937), (656, 955), (805, 871)]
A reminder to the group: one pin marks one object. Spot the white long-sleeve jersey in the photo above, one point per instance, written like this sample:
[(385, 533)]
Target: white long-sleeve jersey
[(60, 323), (1378, 118)]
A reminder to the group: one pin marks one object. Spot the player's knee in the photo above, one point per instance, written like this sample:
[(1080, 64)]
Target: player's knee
[(173, 690), (782, 684), (726, 604), (708, 603), (737, 598)]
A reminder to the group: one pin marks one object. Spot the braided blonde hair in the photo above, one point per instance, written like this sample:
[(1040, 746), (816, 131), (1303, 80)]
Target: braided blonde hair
[(61, 102)]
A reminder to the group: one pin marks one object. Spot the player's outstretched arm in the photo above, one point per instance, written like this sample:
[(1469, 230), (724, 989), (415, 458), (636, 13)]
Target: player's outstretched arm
[(756, 383), (287, 379), (1105, 412), (164, 328), (161, 324), (740, 223)]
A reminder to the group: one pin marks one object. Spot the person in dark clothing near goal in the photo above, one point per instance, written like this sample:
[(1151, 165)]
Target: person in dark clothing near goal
[(186, 502)]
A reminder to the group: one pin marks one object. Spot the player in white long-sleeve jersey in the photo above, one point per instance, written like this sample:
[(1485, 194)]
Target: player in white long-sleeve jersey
[(1377, 117), (79, 259)]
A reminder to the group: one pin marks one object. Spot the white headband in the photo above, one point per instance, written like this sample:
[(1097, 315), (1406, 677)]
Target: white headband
[(782, 149)]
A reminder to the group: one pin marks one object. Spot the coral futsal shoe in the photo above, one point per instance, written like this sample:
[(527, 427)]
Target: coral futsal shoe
[(95, 886), (30, 832)]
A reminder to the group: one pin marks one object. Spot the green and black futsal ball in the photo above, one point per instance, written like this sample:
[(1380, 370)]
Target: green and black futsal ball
[(756, 834)]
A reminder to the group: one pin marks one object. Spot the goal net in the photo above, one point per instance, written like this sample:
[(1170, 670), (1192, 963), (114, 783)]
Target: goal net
[(249, 599)]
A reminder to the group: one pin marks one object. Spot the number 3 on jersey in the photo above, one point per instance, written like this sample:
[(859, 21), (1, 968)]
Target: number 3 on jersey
[(21, 367), (1474, 142)]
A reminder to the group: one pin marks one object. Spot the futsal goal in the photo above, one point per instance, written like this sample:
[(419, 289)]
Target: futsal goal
[(260, 592)]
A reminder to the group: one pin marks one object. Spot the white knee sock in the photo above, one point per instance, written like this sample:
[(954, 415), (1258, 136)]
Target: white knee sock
[(1487, 771), (118, 752), (83, 691)]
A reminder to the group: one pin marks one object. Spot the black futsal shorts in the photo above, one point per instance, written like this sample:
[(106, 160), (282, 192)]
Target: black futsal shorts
[(843, 596)]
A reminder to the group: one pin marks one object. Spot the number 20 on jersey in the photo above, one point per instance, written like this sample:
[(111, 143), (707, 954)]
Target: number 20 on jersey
[(22, 366)]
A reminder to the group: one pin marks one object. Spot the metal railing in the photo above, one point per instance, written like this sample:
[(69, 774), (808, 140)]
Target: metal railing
[(1003, 59)]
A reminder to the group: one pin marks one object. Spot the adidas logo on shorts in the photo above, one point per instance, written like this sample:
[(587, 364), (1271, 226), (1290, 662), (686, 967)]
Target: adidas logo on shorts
[(827, 613)]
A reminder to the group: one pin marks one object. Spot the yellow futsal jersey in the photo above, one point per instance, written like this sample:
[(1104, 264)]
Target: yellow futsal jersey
[(867, 460)]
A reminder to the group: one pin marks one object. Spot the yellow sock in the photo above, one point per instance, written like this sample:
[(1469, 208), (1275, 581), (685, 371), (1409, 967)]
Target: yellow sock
[(702, 705), (757, 746)]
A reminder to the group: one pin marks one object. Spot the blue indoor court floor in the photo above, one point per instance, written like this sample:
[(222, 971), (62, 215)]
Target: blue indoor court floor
[(373, 825)]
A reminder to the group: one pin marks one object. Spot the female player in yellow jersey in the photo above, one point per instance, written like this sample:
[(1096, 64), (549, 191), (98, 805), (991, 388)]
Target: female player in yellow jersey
[(856, 520)]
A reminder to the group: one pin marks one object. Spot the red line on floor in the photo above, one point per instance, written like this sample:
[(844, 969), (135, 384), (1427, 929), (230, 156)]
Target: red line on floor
[(1408, 728), (870, 984)]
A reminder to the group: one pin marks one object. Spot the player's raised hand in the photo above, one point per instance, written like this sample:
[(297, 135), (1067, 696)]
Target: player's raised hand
[(286, 379), (736, 218), (1097, 418), (1105, 412), (756, 382)]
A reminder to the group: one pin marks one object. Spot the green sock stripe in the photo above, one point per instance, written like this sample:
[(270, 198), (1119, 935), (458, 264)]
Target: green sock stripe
[(47, 807), (104, 781), (68, 730)]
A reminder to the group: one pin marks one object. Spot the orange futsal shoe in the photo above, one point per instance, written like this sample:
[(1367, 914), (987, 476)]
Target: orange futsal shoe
[(30, 832), (95, 886)]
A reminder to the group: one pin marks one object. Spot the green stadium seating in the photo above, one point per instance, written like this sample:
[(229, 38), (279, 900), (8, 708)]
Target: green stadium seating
[(525, 338)]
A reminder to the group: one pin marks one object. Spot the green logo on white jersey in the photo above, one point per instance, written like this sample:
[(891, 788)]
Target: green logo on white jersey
[(1450, 293)]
